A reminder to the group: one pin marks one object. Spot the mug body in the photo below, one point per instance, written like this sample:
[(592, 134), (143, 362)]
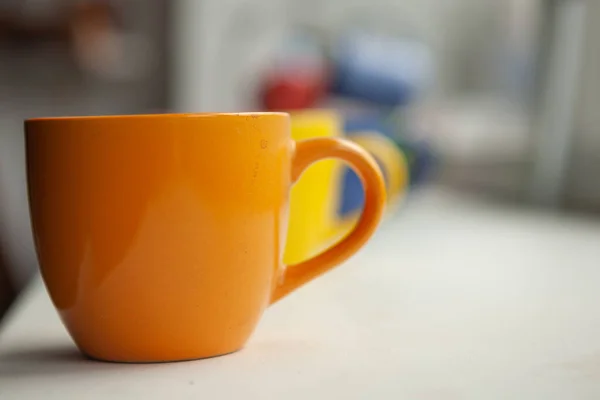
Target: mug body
[(160, 237)]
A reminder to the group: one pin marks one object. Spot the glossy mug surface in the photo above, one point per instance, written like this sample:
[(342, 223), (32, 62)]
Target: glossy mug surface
[(318, 215), (160, 237)]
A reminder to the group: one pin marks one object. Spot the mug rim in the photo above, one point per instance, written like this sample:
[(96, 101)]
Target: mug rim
[(201, 115)]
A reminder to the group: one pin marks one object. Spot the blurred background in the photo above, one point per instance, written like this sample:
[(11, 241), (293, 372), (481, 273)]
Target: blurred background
[(492, 98)]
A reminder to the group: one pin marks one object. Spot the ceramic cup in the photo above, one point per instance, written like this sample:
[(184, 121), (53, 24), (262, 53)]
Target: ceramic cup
[(160, 237)]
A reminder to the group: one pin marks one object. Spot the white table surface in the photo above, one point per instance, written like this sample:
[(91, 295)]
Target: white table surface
[(453, 299)]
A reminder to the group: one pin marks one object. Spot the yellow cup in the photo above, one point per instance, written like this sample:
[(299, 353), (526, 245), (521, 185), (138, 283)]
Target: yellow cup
[(314, 221)]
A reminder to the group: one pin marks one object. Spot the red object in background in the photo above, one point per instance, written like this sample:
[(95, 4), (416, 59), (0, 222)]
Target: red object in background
[(292, 90)]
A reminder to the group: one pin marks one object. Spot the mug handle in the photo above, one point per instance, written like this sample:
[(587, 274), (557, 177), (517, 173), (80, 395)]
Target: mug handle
[(308, 152), (394, 163)]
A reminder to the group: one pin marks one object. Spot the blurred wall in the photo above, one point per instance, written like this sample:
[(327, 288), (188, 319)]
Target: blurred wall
[(220, 46), (464, 34), (583, 185)]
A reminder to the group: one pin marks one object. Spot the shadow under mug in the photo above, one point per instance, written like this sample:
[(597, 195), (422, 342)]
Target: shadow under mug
[(160, 237)]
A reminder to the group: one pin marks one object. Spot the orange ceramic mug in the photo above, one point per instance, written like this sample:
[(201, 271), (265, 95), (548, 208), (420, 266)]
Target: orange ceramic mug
[(160, 237)]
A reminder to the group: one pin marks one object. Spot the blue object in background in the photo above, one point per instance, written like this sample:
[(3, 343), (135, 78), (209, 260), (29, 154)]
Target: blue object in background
[(421, 161), (353, 195), (420, 157), (388, 73), (382, 70)]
